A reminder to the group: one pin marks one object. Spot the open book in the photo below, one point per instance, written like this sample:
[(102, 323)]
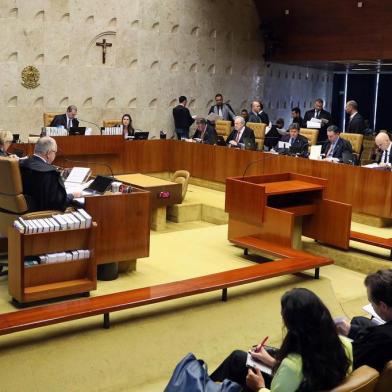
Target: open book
[(79, 175)]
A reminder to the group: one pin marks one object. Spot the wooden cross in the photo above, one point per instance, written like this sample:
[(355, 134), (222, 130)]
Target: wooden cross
[(104, 45)]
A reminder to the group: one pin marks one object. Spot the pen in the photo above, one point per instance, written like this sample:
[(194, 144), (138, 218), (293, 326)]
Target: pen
[(261, 345)]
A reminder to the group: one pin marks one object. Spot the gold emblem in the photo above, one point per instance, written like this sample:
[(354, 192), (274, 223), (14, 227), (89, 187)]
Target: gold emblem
[(30, 77)]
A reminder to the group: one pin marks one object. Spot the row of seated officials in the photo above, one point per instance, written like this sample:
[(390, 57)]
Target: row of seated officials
[(316, 354)]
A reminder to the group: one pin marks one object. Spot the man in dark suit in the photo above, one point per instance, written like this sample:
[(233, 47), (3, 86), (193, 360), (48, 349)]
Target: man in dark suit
[(182, 118), (321, 114), (296, 117), (205, 133), (372, 343), (336, 147), (385, 145), (355, 123), (240, 133), (257, 114), (67, 120), (298, 143), (223, 110), (43, 186)]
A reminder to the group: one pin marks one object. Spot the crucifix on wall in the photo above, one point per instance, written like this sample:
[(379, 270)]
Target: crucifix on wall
[(104, 45)]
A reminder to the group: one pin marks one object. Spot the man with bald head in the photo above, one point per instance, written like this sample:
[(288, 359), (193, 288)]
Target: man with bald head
[(240, 133), (257, 114), (355, 123), (43, 186), (385, 145)]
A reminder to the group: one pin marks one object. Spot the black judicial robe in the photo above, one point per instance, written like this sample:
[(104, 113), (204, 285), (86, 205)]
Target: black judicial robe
[(43, 186), (61, 119)]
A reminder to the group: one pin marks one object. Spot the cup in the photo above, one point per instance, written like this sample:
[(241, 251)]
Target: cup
[(116, 186)]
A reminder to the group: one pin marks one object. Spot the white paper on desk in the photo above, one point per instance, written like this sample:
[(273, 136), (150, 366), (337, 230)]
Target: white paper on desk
[(314, 123), (376, 318), (250, 362), (315, 152), (71, 187), (88, 132), (283, 145), (371, 165)]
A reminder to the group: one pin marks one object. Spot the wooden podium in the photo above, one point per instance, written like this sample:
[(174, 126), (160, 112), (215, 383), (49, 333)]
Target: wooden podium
[(279, 208)]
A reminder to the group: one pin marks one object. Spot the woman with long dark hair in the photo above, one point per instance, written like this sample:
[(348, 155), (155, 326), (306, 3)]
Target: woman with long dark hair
[(126, 123), (312, 356)]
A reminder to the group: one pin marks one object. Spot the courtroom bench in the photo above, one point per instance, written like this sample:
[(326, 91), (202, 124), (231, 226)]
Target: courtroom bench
[(105, 304), (369, 239)]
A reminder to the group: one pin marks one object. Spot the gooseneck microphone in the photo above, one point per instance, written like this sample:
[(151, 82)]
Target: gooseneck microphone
[(89, 122)]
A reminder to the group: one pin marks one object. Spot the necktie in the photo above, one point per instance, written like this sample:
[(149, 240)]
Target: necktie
[(330, 150), (68, 123), (317, 113), (386, 156), (237, 138)]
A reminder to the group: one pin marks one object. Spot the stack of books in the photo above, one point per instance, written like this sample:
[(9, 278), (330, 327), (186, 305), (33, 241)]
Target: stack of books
[(78, 219), (60, 257), (112, 131), (54, 131)]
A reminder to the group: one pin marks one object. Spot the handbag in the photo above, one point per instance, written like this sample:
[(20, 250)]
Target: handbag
[(191, 375)]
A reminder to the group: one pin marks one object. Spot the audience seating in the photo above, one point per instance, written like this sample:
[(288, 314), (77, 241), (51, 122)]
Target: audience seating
[(48, 117), (356, 141), (259, 130), (182, 177), (362, 379), (223, 128), (111, 123), (384, 383), (310, 134)]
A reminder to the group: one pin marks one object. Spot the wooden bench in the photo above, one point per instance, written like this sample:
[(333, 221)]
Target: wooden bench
[(369, 239), (105, 304), (274, 249)]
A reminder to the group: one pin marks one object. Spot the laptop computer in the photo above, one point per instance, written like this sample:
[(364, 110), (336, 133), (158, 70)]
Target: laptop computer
[(141, 135), (74, 131), (249, 143), (220, 141), (98, 186)]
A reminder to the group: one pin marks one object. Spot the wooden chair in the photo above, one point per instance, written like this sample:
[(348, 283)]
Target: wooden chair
[(356, 141), (384, 383), (362, 379), (259, 130), (310, 134), (111, 123), (48, 118), (223, 128), (182, 177)]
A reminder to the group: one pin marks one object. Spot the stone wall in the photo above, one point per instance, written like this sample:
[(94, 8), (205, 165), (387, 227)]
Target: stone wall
[(160, 50)]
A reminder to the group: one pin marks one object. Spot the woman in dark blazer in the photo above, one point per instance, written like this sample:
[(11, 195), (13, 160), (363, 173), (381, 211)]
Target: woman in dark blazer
[(126, 123)]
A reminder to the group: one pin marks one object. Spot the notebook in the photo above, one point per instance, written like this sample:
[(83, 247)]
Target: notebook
[(98, 186)]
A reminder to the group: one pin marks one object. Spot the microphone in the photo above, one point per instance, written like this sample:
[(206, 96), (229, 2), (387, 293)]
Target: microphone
[(92, 163), (89, 122), (265, 158)]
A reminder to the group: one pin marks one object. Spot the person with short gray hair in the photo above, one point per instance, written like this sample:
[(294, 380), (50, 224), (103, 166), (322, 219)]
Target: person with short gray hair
[(205, 133), (240, 134), (5, 141), (67, 120), (43, 186), (355, 123)]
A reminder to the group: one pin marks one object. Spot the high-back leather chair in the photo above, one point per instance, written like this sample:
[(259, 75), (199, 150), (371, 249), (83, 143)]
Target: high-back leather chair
[(48, 117), (362, 379), (111, 123), (259, 131), (384, 383), (310, 134), (182, 177), (223, 128), (356, 141)]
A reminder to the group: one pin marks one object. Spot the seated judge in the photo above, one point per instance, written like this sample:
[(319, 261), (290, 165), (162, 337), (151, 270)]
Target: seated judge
[(205, 133), (257, 114), (5, 142), (43, 186), (240, 133), (385, 145), (335, 147), (127, 127), (67, 120), (298, 143)]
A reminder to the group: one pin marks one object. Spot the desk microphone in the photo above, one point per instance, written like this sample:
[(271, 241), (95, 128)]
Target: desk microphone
[(265, 158), (91, 163), (89, 122)]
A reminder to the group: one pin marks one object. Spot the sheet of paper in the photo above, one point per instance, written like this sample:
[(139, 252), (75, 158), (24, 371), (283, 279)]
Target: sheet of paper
[(371, 165), (315, 152), (250, 362), (283, 145), (78, 174), (71, 187), (314, 123), (376, 318)]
